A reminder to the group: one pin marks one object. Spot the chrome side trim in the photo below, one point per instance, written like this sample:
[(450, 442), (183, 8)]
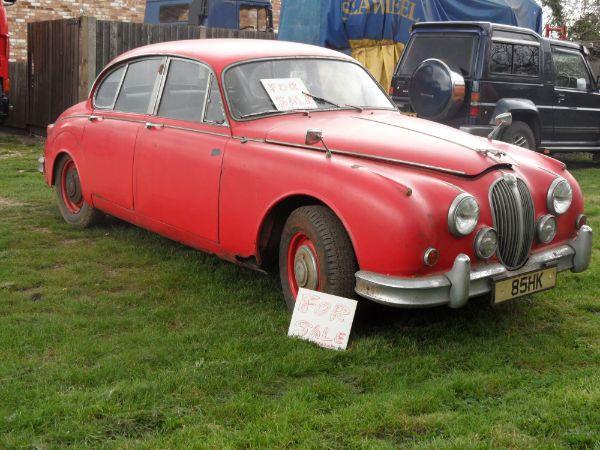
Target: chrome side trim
[(359, 155)]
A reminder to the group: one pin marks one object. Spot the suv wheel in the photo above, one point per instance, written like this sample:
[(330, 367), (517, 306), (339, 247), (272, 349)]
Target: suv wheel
[(519, 134)]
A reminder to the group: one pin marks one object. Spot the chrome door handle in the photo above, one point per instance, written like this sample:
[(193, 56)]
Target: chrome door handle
[(560, 98), (150, 125), (93, 118)]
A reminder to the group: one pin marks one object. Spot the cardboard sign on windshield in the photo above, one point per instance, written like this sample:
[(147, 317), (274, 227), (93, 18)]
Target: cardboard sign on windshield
[(288, 93), (323, 319)]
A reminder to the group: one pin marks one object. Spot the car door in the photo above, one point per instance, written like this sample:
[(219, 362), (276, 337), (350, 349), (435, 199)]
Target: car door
[(121, 106), (180, 150), (577, 104)]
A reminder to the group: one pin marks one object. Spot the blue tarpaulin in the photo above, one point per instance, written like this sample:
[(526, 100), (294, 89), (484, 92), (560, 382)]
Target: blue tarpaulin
[(336, 23)]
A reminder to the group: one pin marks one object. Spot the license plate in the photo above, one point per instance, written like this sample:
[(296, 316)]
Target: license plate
[(527, 283)]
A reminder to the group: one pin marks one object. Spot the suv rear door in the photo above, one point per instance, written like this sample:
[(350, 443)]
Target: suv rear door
[(576, 102)]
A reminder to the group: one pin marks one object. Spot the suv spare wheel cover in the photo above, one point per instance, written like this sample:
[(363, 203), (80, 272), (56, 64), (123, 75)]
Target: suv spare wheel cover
[(436, 92)]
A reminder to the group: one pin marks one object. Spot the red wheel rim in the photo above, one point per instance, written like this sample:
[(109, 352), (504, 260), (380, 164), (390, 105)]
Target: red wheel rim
[(71, 187), (302, 264)]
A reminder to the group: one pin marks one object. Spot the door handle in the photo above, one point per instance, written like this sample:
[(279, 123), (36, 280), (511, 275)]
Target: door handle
[(94, 118), (560, 97), (150, 125)]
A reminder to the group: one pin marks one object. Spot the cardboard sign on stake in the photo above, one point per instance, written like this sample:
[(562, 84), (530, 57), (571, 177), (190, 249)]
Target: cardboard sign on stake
[(323, 319)]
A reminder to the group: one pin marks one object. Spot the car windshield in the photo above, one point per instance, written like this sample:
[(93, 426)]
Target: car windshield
[(283, 85), (455, 50)]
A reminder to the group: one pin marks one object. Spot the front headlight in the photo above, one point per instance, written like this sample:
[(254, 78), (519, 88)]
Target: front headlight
[(560, 196), (463, 215)]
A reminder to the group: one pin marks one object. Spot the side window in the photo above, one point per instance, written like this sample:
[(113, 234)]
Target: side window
[(107, 92), (174, 13), (570, 70), (214, 105), (501, 59), (526, 60), (252, 18), (184, 94), (515, 59), (138, 86)]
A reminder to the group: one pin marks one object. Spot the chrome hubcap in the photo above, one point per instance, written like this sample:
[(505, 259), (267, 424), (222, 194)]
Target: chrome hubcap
[(305, 268)]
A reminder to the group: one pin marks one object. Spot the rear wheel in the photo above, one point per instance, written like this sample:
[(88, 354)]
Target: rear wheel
[(315, 253), (520, 134), (71, 204)]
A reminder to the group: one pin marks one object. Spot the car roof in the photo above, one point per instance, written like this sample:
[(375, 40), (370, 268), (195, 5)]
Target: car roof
[(220, 53)]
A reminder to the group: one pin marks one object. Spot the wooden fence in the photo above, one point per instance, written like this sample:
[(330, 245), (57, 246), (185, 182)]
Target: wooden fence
[(65, 56)]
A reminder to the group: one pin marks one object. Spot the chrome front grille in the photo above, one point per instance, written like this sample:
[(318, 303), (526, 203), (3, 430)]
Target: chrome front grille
[(513, 213)]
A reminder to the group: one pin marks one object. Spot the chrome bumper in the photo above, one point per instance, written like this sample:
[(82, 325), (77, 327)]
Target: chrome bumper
[(463, 282)]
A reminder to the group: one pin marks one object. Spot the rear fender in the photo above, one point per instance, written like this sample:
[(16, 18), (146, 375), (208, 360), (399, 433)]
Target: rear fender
[(513, 105)]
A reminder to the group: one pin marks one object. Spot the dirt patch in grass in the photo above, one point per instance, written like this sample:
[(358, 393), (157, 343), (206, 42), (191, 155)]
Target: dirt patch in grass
[(8, 203)]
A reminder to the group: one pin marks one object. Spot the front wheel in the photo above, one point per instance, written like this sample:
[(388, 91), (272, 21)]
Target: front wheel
[(520, 134), (71, 204), (315, 253)]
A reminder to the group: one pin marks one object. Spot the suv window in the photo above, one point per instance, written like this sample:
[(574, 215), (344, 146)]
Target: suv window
[(253, 18), (174, 13), (184, 93), (515, 59), (138, 86), (455, 50), (570, 70), (107, 92)]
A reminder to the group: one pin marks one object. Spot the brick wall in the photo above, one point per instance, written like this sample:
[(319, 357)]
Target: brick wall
[(25, 11)]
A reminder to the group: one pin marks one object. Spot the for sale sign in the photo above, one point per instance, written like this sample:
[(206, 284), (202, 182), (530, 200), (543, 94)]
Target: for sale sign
[(323, 319), (288, 94)]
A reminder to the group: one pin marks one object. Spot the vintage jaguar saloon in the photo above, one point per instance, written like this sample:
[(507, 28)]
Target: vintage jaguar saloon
[(285, 156)]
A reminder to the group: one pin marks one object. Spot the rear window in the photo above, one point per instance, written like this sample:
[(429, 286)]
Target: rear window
[(174, 13), (458, 51)]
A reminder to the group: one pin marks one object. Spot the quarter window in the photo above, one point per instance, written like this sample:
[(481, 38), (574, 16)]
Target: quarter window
[(570, 70), (107, 92), (515, 59), (184, 94), (138, 86), (214, 105)]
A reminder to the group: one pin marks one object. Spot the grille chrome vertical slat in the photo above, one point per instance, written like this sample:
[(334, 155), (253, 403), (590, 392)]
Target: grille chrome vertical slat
[(513, 213)]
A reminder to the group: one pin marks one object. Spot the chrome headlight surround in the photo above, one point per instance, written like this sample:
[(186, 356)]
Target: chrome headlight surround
[(463, 215), (546, 228), (560, 196), (486, 243)]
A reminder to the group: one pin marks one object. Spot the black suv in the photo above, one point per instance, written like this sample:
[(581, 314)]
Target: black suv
[(466, 73)]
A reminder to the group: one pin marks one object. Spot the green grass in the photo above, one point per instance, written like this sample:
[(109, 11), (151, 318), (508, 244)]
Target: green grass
[(115, 337)]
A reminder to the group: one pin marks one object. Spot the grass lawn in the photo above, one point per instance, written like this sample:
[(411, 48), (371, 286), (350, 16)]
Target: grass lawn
[(115, 337)]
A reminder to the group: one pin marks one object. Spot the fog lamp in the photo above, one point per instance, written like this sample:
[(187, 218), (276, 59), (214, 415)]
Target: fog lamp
[(486, 243), (546, 228)]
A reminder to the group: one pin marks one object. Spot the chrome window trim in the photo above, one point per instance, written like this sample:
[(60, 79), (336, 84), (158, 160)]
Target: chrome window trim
[(516, 41), (129, 63), (276, 58)]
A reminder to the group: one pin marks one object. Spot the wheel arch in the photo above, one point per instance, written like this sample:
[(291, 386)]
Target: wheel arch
[(271, 227), (60, 154), (522, 110)]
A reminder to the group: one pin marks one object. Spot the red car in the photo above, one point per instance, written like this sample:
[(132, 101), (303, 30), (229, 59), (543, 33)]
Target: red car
[(273, 154)]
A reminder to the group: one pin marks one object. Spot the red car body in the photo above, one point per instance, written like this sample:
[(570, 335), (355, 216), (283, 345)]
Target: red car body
[(390, 180)]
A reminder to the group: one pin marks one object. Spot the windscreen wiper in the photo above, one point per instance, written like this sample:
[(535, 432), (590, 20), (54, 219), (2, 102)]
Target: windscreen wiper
[(275, 111), (324, 100)]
